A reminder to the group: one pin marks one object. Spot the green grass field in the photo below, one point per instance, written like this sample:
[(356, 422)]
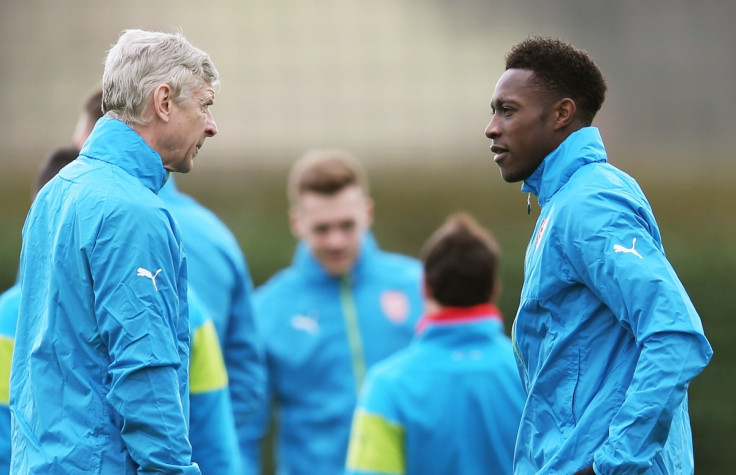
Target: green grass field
[(697, 220)]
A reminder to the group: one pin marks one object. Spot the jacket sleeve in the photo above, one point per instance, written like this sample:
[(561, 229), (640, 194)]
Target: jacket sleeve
[(254, 432), (376, 444), (244, 357), (617, 253), (251, 437), (212, 427), (135, 266)]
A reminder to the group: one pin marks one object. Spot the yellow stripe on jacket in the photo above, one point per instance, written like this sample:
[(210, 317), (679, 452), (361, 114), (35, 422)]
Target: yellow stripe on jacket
[(206, 365)]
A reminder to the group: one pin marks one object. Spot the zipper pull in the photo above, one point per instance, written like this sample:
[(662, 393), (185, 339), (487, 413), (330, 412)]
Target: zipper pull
[(529, 203)]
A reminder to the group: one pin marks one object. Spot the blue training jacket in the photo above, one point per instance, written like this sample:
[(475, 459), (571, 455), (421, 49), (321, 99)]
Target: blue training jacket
[(99, 373), (450, 403), (218, 271), (212, 429), (607, 339), (321, 333)]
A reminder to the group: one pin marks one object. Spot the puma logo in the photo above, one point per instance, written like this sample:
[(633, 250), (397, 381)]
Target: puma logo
[(630, 250), (305, 323), (147, 273)]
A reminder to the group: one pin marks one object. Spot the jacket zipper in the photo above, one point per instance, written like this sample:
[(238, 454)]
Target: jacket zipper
[(352, 329)]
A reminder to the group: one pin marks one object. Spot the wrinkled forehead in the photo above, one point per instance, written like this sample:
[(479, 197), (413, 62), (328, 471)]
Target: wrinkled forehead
[(205, 93)]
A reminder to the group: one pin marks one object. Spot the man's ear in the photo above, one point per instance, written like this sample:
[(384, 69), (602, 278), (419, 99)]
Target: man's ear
[(294, 223), (369, 210), (430, 304), (162, 102), (564, 113), (497, 287), (426, 291)]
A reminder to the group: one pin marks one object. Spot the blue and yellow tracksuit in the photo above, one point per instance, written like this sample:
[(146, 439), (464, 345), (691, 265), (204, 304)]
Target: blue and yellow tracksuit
[(450, 403), (321, 333), (606, 337), (217, 270), (99, 373)]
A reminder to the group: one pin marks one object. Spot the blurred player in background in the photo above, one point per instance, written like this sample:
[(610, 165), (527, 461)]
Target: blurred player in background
[(342, 306), (451, 402)]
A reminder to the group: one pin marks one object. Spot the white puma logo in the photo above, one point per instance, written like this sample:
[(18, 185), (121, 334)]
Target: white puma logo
[(147, 273), (303, 322), (631, 250)]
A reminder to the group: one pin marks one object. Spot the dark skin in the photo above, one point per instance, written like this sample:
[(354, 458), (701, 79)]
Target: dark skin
[(527, 124), (585, 471)]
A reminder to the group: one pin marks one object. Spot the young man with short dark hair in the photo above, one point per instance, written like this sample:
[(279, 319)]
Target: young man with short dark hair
[(606, 337)]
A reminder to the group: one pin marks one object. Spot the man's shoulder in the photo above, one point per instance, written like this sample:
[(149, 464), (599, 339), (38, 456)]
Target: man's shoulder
[(278, 289), (92, 181), (396, 265), (200, 224), (396, 368), (120, 208), (594, 191), (600, 177)]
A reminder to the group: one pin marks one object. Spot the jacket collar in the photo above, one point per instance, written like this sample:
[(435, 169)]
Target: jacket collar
[(305, 261), (459, 315), (115, 142), (579, 148)]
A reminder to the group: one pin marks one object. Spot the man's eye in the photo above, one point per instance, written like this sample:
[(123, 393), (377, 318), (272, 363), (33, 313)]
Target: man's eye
[(347, 226)]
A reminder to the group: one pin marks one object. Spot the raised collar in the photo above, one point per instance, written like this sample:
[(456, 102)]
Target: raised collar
[(579, 148), (458, 315), (114, 142), (305, 261)]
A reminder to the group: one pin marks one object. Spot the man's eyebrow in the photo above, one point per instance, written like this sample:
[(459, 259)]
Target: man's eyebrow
[(208, 97), (505, 101)]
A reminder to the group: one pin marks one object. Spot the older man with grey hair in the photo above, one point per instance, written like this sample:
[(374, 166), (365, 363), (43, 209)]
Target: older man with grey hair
[(99, 373)]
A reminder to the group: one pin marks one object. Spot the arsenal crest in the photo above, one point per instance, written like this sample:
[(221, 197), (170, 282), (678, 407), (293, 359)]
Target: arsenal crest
[(395, 306)]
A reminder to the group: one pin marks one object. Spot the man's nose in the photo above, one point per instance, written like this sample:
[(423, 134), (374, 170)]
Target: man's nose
[(335, 238), (491, 129), (211, 129)]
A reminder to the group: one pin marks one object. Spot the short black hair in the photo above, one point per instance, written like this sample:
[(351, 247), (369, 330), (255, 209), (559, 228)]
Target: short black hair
[(461, 263), (562, 70), (53, 163), (93, 105)]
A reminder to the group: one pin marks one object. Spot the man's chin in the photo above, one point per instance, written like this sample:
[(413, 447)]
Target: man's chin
[(181, 168), (337, 269), (510, 177)]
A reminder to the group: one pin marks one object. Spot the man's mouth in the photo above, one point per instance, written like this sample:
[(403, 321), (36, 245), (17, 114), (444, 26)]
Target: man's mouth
[(499, 151)]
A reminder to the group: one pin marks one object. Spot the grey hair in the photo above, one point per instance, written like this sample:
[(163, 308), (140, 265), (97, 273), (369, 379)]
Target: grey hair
[(143, 60)]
